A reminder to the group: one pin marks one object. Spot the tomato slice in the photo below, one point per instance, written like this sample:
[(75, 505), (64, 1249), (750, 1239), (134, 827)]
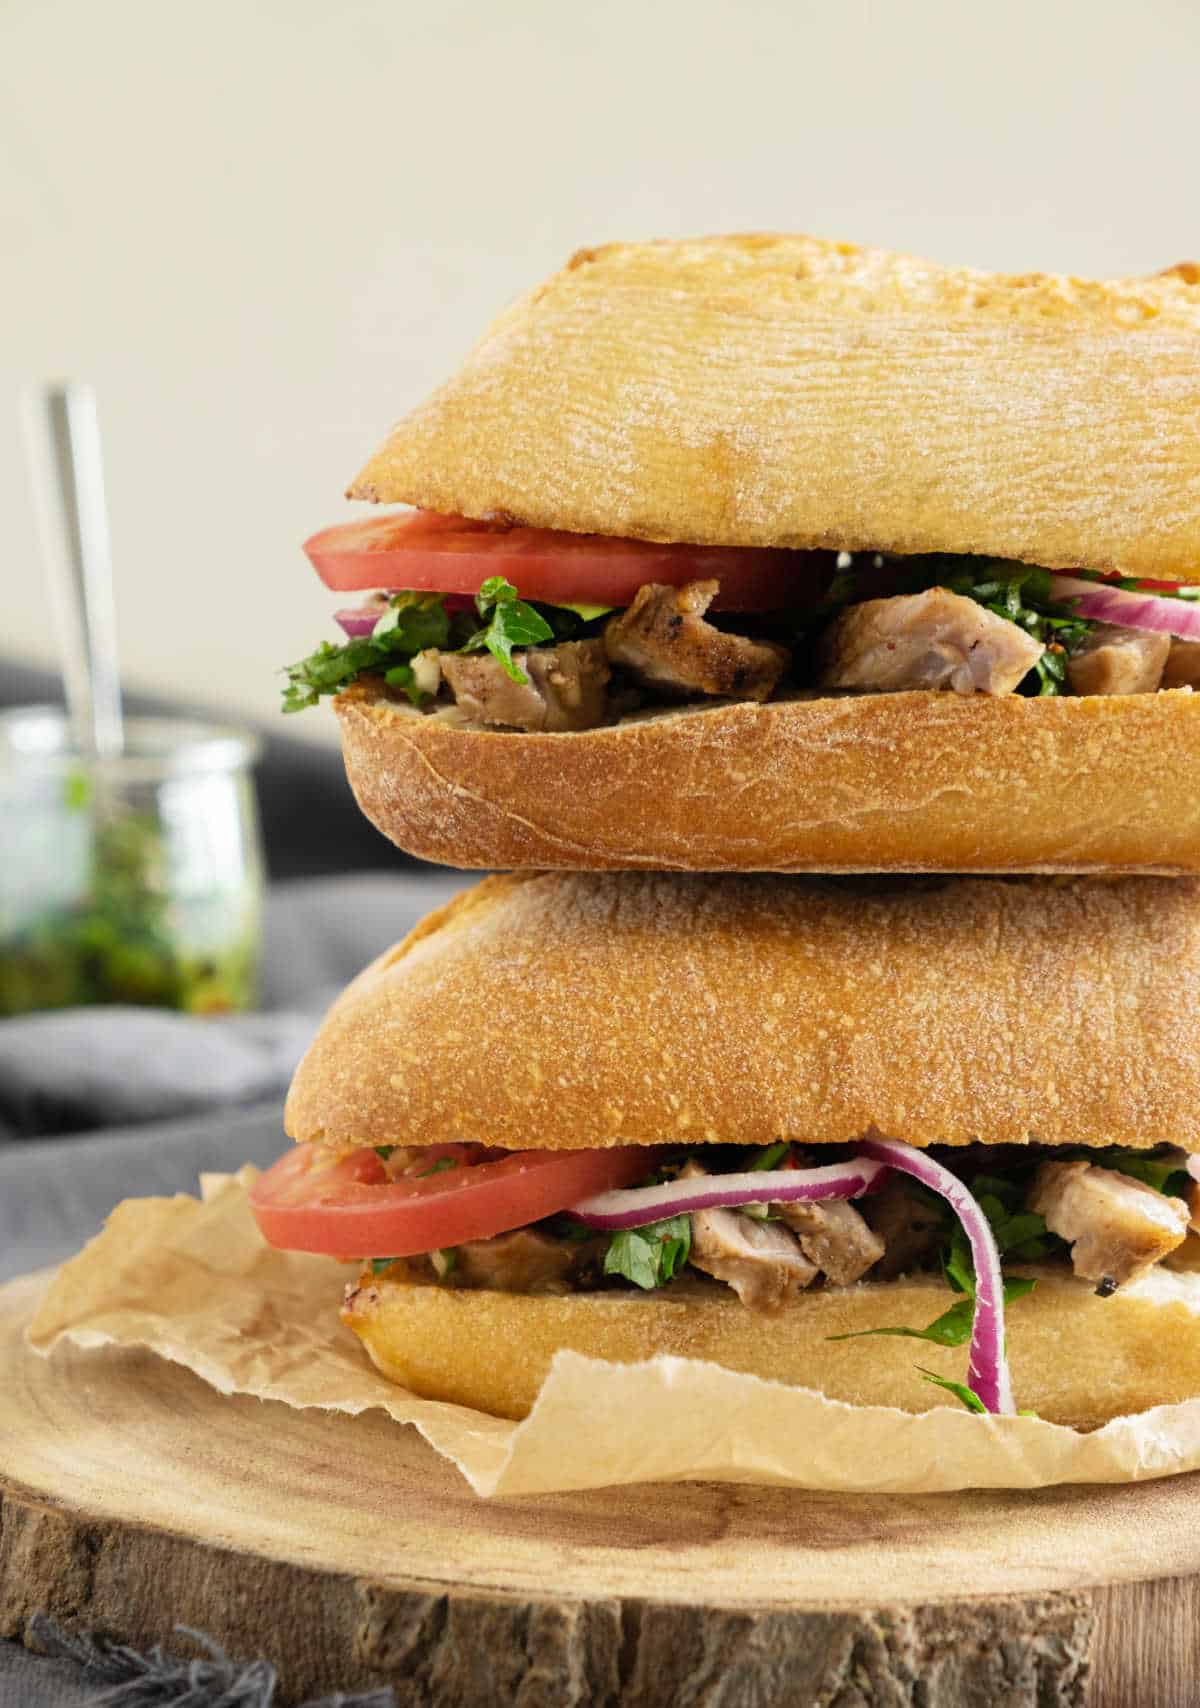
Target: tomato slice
[(348, 1206), (426, 552)]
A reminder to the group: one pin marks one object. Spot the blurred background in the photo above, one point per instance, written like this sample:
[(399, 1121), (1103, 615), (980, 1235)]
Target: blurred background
[(264, 231)]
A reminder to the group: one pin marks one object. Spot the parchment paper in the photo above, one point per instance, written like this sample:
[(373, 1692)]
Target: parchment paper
[(193, 1281)]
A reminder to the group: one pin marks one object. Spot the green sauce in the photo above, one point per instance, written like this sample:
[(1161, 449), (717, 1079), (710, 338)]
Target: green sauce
[(118, 942)]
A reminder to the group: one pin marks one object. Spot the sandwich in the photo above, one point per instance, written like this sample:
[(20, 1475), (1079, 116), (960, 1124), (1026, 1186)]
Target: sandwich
[(906, 1142), (771, 553)]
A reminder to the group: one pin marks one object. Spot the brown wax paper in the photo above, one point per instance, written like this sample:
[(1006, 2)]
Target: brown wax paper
[(193, 1281)]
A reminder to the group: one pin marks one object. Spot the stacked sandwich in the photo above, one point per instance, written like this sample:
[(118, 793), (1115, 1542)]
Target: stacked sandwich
[(822, 627)]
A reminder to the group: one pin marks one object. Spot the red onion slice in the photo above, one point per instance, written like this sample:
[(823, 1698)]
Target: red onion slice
[(360, 620), (637, 1205), (1105, 604), (1193, 1165), (988, 1363)]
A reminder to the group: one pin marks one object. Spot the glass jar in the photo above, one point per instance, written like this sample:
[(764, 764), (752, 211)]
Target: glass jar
[(137, 879)]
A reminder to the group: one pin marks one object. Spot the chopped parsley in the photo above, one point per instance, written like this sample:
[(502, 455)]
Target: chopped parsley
[(414, 622), (509, 622), (439, 1167), (960, 1390), (444, 1262), (410, 623), (652, 1255), (953, 1327), (769, 1157)]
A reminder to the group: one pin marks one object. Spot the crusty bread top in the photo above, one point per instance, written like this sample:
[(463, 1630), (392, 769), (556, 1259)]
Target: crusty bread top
[(566, 1011), (790, 391)]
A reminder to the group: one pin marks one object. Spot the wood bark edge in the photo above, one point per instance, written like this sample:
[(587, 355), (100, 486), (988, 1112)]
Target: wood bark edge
[(475, 1648)]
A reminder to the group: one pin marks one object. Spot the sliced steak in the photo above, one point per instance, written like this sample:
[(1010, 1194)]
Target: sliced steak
[(1119, 661), (834, 1236), (565, 688), (663, 641), (936, 639), (1183, 665), (1116, 1227)]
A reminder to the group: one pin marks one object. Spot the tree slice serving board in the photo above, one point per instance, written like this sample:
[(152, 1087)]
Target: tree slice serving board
[(134, 1497)]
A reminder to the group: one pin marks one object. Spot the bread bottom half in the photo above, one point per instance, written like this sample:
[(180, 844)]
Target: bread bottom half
[(1076, 1359), (907, 782)]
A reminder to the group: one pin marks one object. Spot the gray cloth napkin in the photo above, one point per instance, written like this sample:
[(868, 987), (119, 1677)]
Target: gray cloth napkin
[(87, 1068), (55, 1193), (86, 1673)]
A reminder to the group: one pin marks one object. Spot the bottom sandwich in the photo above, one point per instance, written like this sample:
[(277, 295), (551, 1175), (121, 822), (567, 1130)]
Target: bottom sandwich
[(643, 1115)]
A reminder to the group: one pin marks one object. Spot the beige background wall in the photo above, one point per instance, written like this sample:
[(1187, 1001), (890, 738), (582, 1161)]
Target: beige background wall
[(263, 228)]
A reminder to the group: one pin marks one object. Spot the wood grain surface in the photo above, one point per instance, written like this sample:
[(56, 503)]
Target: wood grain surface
[(133, 1497)]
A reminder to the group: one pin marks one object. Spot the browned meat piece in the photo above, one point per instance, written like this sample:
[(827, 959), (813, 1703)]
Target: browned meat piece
[(834, 1236), (761, 1261), (1183, 665), (936, 639), (911, 1232), (1118, 661), (565, 688), (521, 1262), (663, 641), (1116, 1227)]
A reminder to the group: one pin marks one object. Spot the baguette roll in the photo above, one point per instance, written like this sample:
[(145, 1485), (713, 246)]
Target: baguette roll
[(571, 1011), (791, 391), (905, 782)]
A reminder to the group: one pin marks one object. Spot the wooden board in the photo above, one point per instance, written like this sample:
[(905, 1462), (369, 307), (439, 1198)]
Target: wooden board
[(134, 1497)]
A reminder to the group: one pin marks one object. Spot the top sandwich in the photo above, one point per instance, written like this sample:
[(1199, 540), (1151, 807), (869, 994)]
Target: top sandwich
[(856, 545)]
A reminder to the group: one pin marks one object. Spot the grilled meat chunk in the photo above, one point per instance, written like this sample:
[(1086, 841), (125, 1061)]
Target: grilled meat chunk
[(1119, 661), (911, 1232), (566, 686), (1183, 665), (520, 1262), (834, 1236), (1116, 1227), (761, 1261), (665, 643), (935, 639)]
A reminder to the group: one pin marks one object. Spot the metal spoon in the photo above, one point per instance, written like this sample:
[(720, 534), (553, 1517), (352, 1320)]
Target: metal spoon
[(63, 442)]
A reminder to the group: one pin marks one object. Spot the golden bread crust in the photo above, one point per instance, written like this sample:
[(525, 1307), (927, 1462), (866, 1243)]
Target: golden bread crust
[(1076, 1359), (564, 1011), (791, 391), (912, 782)]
